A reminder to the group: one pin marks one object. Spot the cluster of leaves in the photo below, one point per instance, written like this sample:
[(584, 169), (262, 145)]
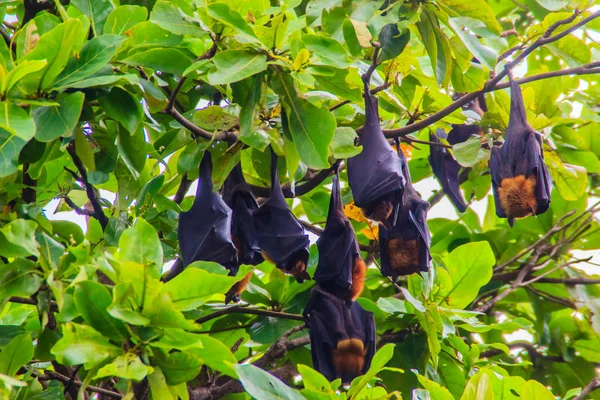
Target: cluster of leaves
[(125, 98)]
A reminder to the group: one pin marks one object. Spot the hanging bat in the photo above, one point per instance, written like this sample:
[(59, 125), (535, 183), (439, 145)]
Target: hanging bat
[(404, 249), (520, 178), (279, 234), (445, 168), (205, 230), (342, 336), (375, 174), (341, 269), (237, 195), (233, 294)]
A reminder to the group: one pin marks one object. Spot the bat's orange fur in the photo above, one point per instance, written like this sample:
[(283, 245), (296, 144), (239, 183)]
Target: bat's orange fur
[(236, 290), (359, 270), (404, 255), (349, 357), (298, 271), (517, 196), (239, 246)]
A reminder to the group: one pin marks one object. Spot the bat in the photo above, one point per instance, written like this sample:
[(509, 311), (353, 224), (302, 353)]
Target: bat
[(404, 249), (205, 230), (341, 269), (375, 174), (520, 178), (279, 234), (342, 335), (445, 168), (233, 294), (238, 196)]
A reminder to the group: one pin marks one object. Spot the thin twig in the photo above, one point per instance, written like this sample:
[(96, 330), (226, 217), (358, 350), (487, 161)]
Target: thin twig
[(593, 385), (247, 310), (304, 188), (51, 375), (78, 210)]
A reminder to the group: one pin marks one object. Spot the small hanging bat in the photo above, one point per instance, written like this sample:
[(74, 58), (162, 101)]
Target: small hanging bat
[(233, 294), (341, 269), (237, 195), (279, 234), (445, 168), (404, 249), (520, 178), (375, 174), (342, 336), (205, 230)]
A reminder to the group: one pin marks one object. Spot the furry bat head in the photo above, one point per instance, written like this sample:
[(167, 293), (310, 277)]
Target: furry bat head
[(404, 249), (375, 174), (445, 168), (237, 195), (204, 230), (520, 178), (234, 293), (341, 269), (342, 336), (279, 234)]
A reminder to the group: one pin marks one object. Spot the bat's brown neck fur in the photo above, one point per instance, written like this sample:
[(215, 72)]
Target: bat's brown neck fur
[(233, 294), (404, 255), (517, 196), (359, 270), (349, 357), (239, 246)]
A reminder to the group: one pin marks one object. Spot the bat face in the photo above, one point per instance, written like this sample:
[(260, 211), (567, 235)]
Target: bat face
[(342, 336), (376, 172), (520, 178), (237, 195), (233, 294), (204, 231), (279, 234), (340, 269)]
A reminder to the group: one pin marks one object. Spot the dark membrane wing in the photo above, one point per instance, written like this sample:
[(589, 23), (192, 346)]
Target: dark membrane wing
[(446, 170), (496, 172), (539, 168), (204, 230)]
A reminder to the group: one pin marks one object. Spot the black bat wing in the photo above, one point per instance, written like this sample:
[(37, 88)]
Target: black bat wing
[(419, 218), (537, 166), (497, 166), (204, 230), (446, 170), (365, 322)]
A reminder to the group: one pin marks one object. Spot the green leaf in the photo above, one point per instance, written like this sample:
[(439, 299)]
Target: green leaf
[(158, 386), (552, 5), (356, 35), (570, 180), (329, 51), (312, 379), (20, 71), (216, 355), (16, 129), (436, 44), (54, 122), (180, 367), (247, 94), (312, 128), (535, 390), (469, 267), (470, 152), (82, 344), (94, 56), (96, 10), (171, 61), (263, 386), (122, 18), (84, 150), (92, 300), (392, 42), (214, 118), (476, 9), (141, 244), (342, 145), (435, 389), (221, 12), (572, 49), (103, 80), (18, 352), (170, 16), (380, 359), (486, 55), (126, 366), (19, 278), (121, 306), (18, 239), (235, 65), (123, 107), (132, 149)]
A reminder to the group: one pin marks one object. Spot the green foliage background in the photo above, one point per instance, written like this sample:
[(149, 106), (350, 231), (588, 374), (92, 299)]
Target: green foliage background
[(85, 104)]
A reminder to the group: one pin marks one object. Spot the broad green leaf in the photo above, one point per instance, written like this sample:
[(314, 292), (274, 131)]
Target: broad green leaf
[(342, 145), (122, 18), (476, 9), (573, 50), (19, 278), (356, 35), (392, 42), (20, 71), (103, 80), (123, 107), (15, 354), (84, 150), (470, 152), (94, 56), (132, 150), (552, 5), (570, 180), (122, 305), (247, 94), (469, 267), (92, 300), (82, 344), (214, 118), (170, 16), (158, 386), (380, 359), (216, 355), (535, 390), (222, 13), (54, 122), (96, 10), (126, 366), (437, 45), (263, 386), (435, 389), (235, 65), (329, 51), (486, 55), (18, 239), (180, 367), (172, 61), (141, 244), (312, 379)]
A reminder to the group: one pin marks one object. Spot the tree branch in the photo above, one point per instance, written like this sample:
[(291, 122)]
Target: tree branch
[(51, 375), (78, 210), (247, 310), (304, 188), (593, 385), (528, 347)]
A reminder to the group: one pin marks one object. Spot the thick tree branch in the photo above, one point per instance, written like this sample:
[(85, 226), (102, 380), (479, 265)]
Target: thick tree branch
[(51, 375), (247, 310), (304, 188), (32, 302)]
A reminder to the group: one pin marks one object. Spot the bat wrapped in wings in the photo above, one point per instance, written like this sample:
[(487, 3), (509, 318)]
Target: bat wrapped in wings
[(342, 335), (205, 230), (445, 168), (341, 269), (279, 234), (375, 174), (404, 248), (520, 178)]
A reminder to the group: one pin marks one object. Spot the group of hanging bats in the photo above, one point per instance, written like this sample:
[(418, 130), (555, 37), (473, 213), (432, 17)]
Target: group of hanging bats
[(233, 229)]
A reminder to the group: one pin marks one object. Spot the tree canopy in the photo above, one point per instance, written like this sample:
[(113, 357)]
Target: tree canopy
[(108, 107)]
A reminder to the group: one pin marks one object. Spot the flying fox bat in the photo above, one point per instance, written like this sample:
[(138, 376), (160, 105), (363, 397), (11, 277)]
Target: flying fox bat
[(205, 230), (342, 335), (404, 249), (237, 195), (375, 174), (341, 269), (520, 178), (279, 234), (445, 168), (234, 293)]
